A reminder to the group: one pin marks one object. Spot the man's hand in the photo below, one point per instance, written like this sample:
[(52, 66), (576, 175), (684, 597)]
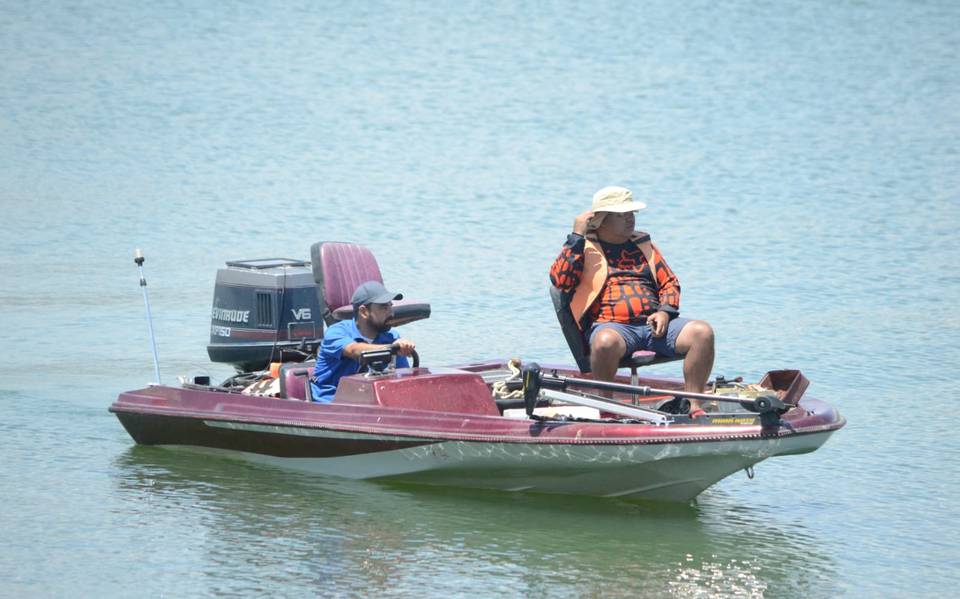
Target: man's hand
[(658, 323), (404, 347), (580, 223)]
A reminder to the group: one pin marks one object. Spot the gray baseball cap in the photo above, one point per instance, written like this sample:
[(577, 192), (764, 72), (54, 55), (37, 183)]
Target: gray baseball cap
[(373, 292)]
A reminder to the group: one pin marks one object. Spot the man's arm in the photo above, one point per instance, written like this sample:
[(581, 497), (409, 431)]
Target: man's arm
[(668, 291), (353, 350), (668, 286), (567, 269)]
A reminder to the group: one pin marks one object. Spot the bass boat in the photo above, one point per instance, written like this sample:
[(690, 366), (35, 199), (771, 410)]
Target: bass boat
[(500, 424)]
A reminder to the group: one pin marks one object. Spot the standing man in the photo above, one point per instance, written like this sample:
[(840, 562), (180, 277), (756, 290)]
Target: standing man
[(625, 297), (343, 342)]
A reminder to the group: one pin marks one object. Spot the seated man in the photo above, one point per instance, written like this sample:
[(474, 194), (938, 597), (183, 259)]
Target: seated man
[(625, 297), (343, 342)]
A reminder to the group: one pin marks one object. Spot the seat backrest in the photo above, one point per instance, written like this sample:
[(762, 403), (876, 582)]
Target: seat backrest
[(571, 332), (338, 269)]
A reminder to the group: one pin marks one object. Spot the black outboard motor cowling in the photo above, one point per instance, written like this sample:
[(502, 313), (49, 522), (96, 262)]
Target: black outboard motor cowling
[(262, 308)]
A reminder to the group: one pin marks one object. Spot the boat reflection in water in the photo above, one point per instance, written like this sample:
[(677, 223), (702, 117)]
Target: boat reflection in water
[(246, 529)]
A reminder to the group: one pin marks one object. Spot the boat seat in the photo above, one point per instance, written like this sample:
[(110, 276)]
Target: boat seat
[(295, 380), (339, 268), (581, 349)]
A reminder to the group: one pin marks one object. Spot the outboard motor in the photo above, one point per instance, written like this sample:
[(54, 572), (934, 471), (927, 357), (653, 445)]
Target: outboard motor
[(264, 310)]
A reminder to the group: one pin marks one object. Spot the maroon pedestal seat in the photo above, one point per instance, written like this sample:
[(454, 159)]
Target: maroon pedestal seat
[(295, 380), (339, 268)]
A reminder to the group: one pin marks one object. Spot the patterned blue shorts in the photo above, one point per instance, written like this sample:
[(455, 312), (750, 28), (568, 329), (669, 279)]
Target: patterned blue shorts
[(639, 336)]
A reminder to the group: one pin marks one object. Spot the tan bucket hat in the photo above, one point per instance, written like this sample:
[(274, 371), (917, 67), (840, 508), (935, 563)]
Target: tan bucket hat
[(615, 199)]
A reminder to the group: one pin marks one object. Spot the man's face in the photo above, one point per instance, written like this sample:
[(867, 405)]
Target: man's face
[(617, 226), (377, 316)]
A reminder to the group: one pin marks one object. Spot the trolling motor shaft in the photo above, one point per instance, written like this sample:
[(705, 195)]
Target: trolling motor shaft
[(533, 380), (761, 405)]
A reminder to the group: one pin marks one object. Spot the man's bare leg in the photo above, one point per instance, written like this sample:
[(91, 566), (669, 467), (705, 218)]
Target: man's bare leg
[(696, 342), (606, 349)]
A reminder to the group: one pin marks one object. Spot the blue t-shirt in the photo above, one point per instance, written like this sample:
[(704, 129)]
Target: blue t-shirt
[(332, 365)]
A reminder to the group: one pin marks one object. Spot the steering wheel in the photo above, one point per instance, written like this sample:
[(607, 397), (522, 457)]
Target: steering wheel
[(415, 357)]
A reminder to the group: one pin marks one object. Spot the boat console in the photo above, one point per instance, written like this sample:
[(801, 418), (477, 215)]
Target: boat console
[(431, 389)]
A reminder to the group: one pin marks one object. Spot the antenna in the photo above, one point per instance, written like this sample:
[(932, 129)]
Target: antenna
[(139, 259)]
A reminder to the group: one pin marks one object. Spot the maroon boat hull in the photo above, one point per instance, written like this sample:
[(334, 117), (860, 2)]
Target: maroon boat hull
[(404, 432)]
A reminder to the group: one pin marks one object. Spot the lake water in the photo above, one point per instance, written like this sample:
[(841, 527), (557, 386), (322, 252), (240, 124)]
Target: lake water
[(801, 164)]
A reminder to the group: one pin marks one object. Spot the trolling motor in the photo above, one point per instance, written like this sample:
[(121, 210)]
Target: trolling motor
[(533, 380), (531, 377), (139, 260)]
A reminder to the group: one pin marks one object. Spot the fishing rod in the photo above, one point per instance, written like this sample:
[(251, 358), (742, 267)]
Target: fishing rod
[(139, 259)]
